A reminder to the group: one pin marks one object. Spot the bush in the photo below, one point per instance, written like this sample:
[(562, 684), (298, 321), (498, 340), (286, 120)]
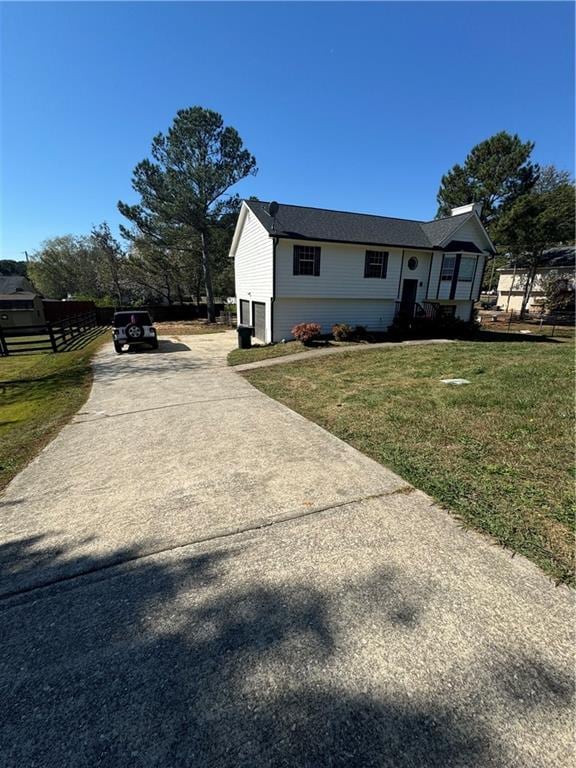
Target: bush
[(360, 332), (306, 332), (342, 332)]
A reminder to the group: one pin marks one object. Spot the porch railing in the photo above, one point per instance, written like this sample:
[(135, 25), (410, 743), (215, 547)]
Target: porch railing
[(426, 311)]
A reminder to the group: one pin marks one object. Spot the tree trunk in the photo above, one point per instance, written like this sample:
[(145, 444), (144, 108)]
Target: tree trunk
[(210, 309), (168, 292), (528, 287)]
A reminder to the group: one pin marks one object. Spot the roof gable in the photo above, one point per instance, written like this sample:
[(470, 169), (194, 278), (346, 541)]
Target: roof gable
[(319, 224)]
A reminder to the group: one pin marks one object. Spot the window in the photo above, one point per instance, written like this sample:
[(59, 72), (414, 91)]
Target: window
[(412, 263), (376, 264), (466, 271), (16, 304), (306, 260), (448, 265)]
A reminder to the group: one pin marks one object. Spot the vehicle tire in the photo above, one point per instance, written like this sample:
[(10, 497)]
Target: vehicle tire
[(154, 344), (134, 332), (118, 347)]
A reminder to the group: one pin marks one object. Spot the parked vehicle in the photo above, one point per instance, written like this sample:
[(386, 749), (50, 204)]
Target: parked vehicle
[(133, 327)]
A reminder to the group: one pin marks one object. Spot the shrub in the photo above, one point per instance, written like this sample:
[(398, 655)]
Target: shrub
[(342, 332), (360, 332), (306, 332)]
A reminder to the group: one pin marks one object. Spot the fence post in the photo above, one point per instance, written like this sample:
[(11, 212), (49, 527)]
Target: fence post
[(52, 339), (3, 345)]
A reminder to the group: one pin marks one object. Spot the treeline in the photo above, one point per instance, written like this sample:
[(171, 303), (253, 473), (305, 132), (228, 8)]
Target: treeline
[(98, 267)]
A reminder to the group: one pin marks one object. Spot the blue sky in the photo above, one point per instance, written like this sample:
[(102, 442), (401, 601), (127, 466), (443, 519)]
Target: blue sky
[(349, 106)]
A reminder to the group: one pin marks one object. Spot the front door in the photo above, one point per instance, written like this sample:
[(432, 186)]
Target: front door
[(408, 299)]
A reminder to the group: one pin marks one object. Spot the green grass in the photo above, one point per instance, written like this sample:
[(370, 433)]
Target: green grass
[(241, 356), (38, 395), (497, 452)]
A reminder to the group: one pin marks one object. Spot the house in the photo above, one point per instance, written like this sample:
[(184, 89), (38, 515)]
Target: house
[(512, 281), (295, 264), (20, 304)]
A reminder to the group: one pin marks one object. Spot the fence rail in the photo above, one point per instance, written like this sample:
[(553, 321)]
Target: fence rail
[(57, 336), (549, 324)]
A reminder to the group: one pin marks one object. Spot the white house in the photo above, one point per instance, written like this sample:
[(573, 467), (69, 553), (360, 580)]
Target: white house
[(512, 282), (296, 264)]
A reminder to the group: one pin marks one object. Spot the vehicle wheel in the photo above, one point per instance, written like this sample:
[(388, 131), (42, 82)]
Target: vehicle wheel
[(134, 332), (118, 347), (154, 344)]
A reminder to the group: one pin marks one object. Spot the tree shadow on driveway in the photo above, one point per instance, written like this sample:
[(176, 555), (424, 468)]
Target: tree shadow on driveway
[(177, 661)]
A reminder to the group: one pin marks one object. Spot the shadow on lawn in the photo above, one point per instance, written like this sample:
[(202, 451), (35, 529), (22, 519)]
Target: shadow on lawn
[(176, 661)]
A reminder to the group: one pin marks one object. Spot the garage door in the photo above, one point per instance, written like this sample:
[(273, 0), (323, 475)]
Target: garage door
[(244, 312), (259, 320)]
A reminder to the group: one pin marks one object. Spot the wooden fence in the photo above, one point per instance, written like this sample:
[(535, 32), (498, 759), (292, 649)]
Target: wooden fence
[(58, 336)]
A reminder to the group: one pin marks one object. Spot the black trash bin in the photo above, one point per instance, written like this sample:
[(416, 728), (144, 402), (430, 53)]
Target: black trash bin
[(245, 333)]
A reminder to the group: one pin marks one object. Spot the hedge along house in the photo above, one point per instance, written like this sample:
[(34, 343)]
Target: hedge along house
[(295, 264)]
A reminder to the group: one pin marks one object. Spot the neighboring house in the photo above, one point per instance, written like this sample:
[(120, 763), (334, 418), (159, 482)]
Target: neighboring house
[(315, 265), (512, 282), (20, 304)]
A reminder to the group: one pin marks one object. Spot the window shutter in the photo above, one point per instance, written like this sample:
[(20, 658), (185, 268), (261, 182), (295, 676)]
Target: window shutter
[(316, 262), (384, 265), (296, 263), (366, 264)]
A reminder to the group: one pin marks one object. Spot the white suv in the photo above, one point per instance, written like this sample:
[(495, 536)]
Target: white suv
[(133, 327)]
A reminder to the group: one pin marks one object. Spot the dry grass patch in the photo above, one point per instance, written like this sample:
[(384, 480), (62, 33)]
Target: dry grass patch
[(498, 452), (189, 328)]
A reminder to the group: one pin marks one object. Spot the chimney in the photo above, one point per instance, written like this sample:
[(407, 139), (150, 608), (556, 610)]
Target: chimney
[(476, 207)]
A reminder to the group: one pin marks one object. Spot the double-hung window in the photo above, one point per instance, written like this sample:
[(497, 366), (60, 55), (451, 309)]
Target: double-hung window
[(448, 266), (466, 271), (376, 264), (307, 260)]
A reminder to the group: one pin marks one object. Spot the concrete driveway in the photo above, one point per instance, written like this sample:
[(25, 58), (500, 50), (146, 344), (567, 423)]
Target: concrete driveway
[(193, 575)]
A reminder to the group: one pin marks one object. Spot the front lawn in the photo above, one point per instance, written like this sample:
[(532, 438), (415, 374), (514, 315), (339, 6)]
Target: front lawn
[(39, 393), (252, 355), (498, 452)]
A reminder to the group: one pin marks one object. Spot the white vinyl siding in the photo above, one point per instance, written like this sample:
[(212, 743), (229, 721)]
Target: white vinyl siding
[(253, 261), (373, 314), (253, 267), (472, 231), (341, 273)]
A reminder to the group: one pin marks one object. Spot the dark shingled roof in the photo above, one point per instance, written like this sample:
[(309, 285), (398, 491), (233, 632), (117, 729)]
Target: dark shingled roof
[(14, 284), (560, 257), (301, 223)]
